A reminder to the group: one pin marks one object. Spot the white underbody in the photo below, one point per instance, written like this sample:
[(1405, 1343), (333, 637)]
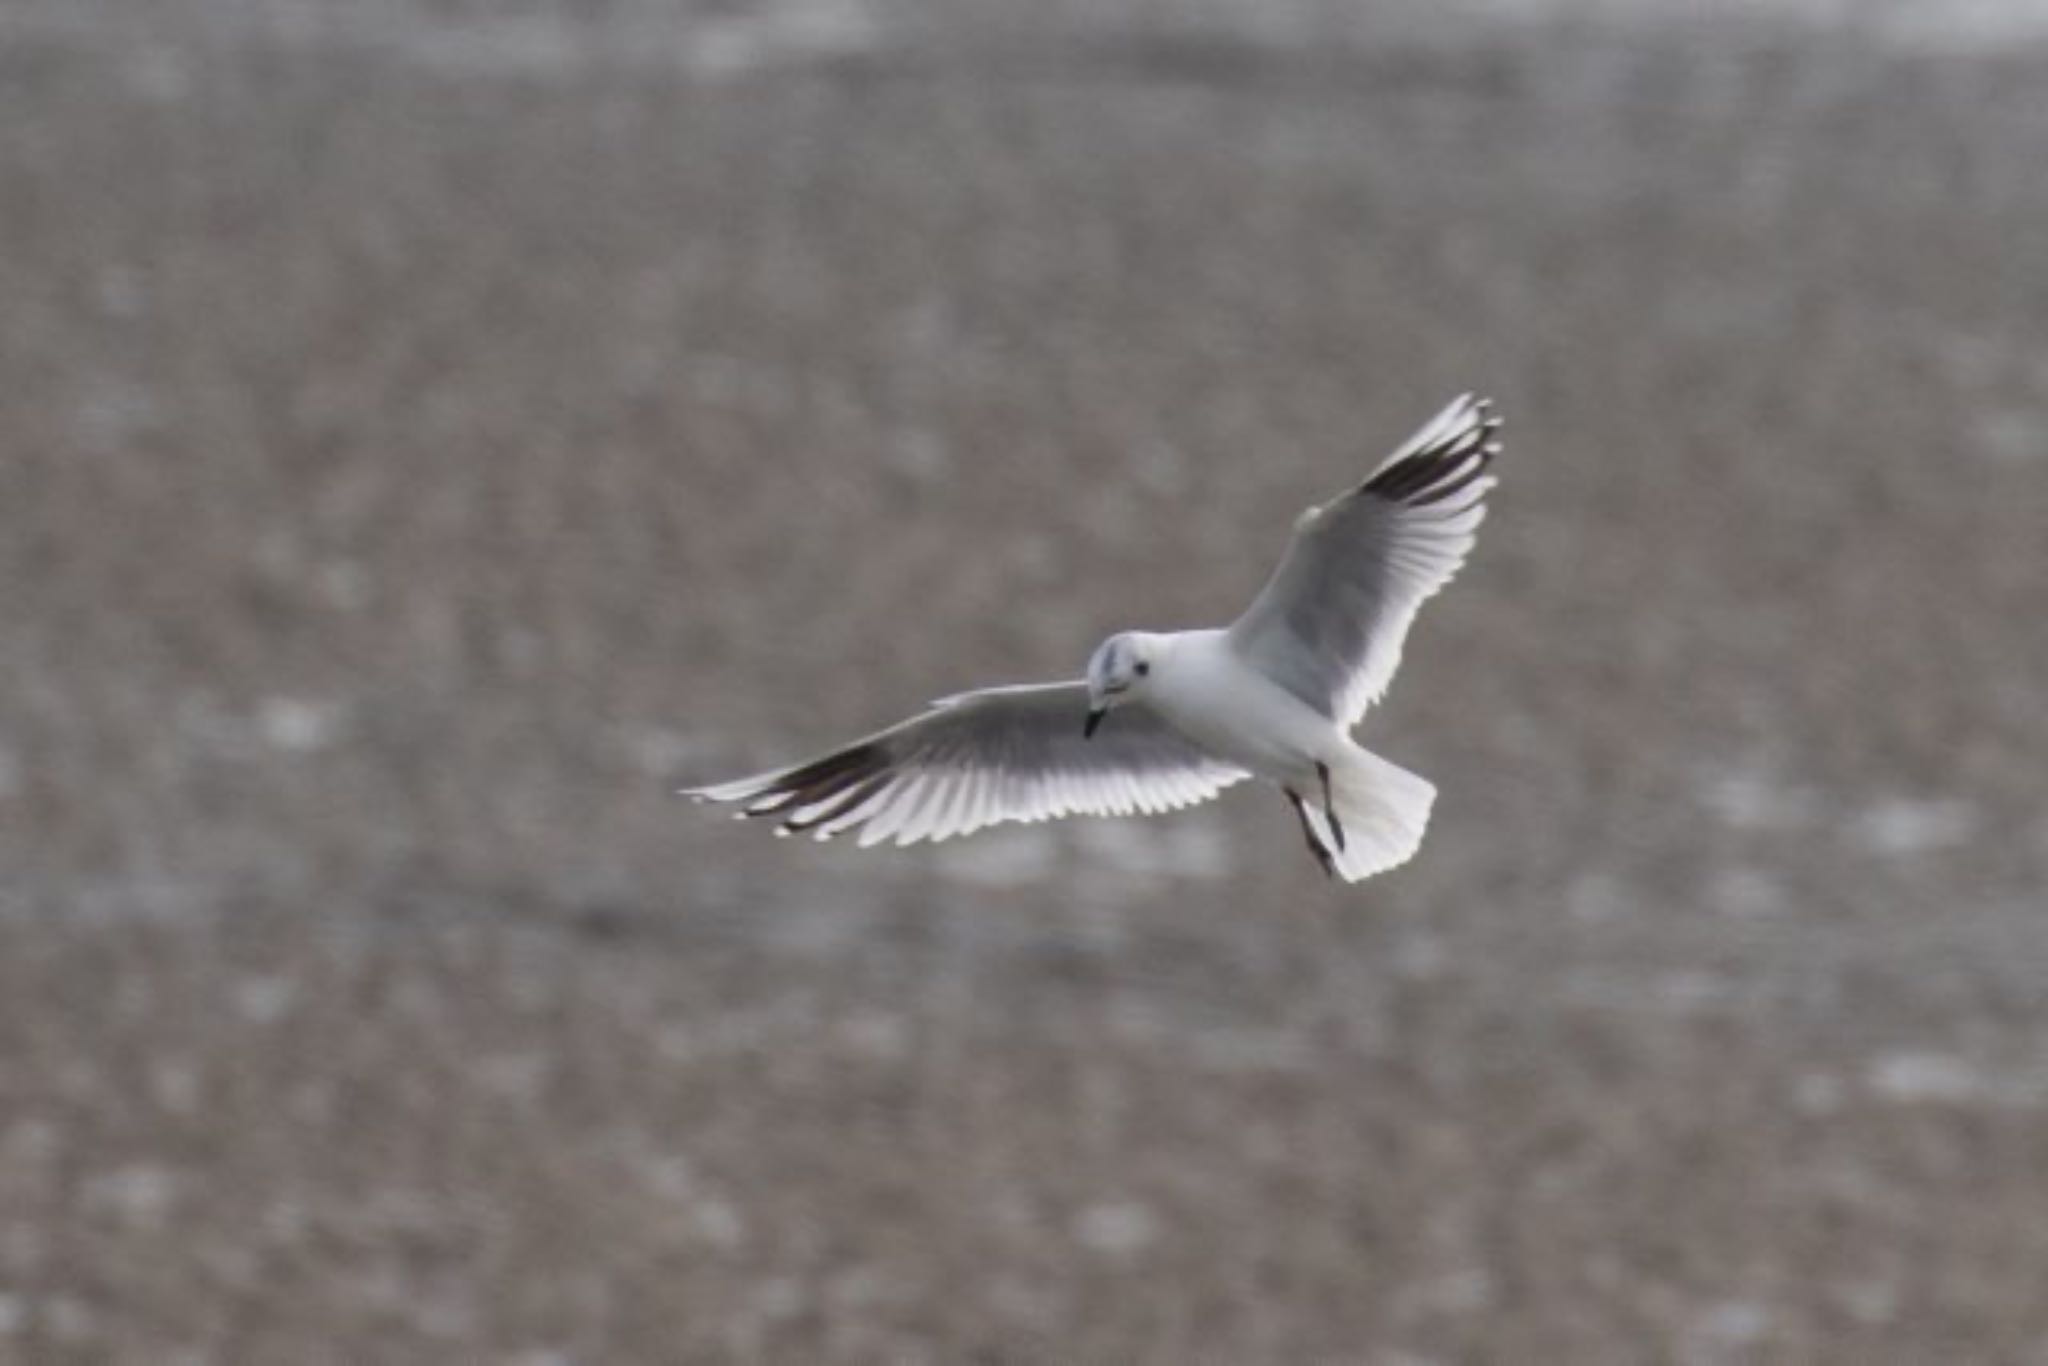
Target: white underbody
[(1376, 811), (1209, 694)]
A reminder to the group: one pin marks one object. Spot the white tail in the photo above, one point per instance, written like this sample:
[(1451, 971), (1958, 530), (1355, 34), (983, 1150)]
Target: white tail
[(1384, 809)]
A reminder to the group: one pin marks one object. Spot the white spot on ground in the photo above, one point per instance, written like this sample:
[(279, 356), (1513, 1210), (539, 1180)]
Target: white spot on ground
[(1903, 827), (1926, 1078), (718, 1222), (1915, 1077), (1954, 26), (299, 725), (1117, 1228), (543, 1356), (1726, 1330), (1871, 1302), (1752, 797), (264, 999), (2012, 436), (781, 35), (1957, 26)]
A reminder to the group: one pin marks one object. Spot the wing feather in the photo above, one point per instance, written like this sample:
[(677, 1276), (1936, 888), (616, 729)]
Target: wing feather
[(1329, 625), (1002, 754)]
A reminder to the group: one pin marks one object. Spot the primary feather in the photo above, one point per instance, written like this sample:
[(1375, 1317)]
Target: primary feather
[(1330, 623), (1000, 754)]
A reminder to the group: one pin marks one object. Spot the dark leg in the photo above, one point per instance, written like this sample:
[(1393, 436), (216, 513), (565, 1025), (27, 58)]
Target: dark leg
[(1330, 807), (1308, 832)]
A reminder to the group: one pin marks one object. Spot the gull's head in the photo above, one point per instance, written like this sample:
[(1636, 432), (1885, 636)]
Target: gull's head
[(1120, 670)]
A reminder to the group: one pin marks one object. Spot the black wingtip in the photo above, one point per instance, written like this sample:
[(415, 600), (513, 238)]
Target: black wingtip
[(821, 780), (854, 797), (1446, 463)]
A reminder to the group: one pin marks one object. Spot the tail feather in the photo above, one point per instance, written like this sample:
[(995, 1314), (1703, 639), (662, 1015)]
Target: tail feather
[(1383, 808)]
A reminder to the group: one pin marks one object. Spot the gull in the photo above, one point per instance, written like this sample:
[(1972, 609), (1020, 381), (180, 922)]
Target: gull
[(1164, 720)]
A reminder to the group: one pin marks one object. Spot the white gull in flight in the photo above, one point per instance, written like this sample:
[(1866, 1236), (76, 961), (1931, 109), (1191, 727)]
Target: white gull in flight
[(1167, 719)]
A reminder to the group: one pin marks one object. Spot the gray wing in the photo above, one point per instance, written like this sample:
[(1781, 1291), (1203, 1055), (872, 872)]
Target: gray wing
[(1002, 754), (1329, 624)]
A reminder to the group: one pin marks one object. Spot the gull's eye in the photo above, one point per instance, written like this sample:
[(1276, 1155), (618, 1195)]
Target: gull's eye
[(1144, 667)]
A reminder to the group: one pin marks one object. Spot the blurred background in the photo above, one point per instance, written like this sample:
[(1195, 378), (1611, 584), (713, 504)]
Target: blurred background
[(431, 432)]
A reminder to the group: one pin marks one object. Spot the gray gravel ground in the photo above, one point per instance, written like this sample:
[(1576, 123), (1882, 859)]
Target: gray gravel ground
[(432, 432)]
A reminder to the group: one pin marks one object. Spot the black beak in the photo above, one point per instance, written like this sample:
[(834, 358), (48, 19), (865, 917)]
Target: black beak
[(1095, 716)]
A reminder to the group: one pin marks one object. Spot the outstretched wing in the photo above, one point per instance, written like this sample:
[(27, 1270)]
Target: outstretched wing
[(1328, 625), (1002, 754)]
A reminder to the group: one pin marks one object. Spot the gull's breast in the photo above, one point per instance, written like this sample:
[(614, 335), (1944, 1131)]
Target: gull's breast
[(1235, 712)]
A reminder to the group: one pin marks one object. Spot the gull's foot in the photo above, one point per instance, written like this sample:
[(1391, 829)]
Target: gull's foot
[(1308, 833), (1330, 807)]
